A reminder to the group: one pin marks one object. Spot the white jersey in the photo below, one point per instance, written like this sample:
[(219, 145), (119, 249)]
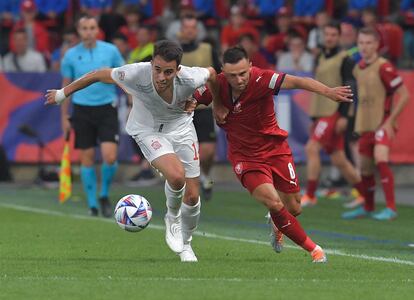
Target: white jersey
[(150, 113)]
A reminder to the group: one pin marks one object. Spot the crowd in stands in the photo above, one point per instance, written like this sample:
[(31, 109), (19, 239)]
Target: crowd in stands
[(281, 34)]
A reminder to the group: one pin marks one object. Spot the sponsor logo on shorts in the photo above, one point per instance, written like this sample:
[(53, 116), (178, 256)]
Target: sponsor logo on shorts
[(238, 168), (156, 145)]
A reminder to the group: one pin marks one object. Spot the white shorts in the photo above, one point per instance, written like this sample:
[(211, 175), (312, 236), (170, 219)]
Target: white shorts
[(184, 145)]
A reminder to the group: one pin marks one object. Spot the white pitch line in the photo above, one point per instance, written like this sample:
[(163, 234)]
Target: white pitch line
[(210, 235), (218, 279)]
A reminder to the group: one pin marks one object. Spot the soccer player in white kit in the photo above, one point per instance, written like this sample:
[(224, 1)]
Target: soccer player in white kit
[(163, 129)]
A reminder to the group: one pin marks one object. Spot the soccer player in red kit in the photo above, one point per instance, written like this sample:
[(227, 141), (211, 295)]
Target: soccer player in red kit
[(376, 123), (258, 148)]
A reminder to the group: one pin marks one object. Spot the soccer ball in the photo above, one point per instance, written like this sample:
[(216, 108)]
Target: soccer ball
[(133, 213)]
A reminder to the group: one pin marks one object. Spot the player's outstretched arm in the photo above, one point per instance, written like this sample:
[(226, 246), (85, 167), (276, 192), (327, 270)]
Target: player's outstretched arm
[(220, 112), (337, 94), (58, 96)]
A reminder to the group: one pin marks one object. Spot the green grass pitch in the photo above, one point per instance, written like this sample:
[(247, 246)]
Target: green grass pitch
[(54, 251)]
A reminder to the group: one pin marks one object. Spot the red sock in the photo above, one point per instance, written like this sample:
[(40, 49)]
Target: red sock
[(368, 189), (360, 188), (290, 227), (311, 188), (387, 181)]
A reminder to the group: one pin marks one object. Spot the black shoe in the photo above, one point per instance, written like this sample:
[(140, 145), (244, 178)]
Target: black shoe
[(207, 190), (143, 178), (106, 207), (93, 212)]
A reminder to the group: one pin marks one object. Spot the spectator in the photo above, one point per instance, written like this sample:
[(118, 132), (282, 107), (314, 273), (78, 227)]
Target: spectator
[(238, 26), (348, 41), (145, 49), (297, 59), (38, 37), (9, 10), (146, 7), (52, 12), (133, 18), (359, 5), (186, 10), (22, 58), (257, 58), (277, 41), (315, 40), (70, 39), (121, 42)]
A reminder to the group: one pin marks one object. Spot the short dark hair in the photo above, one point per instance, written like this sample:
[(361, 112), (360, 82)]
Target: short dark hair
[(234, 55), (169, 51), (370, 31), (334, 24), (84, 16)]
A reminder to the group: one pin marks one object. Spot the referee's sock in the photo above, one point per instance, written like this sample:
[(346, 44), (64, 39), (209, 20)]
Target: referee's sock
[(107, 175), (88, 176)]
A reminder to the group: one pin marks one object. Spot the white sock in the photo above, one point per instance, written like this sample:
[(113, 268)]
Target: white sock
[(174, 199), (189, 220)]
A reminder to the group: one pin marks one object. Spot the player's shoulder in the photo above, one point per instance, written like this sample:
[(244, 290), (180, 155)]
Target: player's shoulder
[(187, 75), (385, 64)]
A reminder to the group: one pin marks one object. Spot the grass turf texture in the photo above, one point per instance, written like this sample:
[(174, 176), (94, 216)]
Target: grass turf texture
[(59, 252)]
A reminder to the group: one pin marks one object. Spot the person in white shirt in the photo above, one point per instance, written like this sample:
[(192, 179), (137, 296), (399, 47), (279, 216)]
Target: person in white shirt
[(163, 129), (23, 59), (297, 59)]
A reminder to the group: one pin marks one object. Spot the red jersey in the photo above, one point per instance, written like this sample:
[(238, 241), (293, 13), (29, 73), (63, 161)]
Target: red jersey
[(251, 127)]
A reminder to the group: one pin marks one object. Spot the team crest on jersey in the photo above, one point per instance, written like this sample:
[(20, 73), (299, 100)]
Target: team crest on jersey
[(238, 168), (121, 75), (237, 108), (156, 145)]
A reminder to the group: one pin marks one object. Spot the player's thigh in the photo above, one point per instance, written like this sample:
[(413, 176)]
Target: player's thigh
[(159, 151), (284, 174), (192, 194), (187, 149), (86, 134), (266, 194), (170, 166), (381, 153)]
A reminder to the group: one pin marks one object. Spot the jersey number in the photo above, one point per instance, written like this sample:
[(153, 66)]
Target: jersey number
[(195, 152), (291, 171)]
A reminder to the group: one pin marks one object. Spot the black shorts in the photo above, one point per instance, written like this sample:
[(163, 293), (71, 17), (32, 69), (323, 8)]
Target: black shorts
[(204, 125), (94, 124)]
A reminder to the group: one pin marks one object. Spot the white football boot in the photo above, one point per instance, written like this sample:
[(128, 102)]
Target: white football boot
[(187, 255), (173, 235)]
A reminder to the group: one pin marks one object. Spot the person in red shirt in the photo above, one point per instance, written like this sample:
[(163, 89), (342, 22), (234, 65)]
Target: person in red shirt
[(258, 148), (376, 122)]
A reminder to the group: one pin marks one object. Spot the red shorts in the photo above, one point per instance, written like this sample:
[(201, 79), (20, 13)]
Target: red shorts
[(368, 140), (323, 131), (279, 171)]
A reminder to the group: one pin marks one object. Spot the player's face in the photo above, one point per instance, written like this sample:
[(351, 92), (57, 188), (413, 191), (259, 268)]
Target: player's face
[(88, 30), (331, 36), (163, 73), (367, 45), (237, 74)]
